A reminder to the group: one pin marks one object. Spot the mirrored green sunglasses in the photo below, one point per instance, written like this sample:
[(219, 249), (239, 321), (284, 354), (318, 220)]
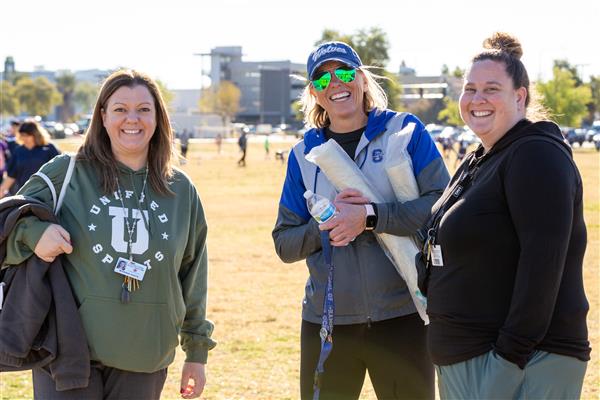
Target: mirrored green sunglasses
[(344, 74)]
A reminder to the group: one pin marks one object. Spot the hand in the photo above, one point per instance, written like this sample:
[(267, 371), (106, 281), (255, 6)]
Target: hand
[(192, 372), (6, 184), (350, 220), (351, 196), (54, 241)]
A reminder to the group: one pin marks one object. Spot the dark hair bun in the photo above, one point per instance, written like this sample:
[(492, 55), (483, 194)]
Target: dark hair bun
[(504, 42)]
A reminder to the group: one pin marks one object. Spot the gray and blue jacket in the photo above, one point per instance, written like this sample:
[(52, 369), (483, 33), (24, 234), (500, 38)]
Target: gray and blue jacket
[(367, 286)]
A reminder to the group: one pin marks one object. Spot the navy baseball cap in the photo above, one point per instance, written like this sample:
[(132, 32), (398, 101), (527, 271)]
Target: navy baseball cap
[(332, 51)]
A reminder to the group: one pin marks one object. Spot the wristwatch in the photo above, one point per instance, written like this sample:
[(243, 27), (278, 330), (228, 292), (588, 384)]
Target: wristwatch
[(371, 217)]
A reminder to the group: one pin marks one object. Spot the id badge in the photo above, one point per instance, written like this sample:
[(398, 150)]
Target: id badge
[(131, 269), (436, 256)]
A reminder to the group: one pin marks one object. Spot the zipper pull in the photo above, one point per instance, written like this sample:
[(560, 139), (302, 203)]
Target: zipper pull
[(2, 284)]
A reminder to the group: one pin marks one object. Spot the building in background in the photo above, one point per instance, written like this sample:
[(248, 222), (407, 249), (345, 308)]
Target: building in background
[(267, 87), (184, 113), (415, 88)]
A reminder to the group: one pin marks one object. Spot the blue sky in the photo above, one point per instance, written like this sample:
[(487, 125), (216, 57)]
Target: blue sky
[(161, 37)]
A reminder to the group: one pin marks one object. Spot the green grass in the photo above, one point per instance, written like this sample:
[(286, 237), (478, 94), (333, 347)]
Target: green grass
[(255, 299)]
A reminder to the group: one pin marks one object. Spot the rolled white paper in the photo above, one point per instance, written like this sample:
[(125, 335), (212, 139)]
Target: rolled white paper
[(343, 173)]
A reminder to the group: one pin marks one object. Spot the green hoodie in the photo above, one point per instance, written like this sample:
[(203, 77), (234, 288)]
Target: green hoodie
[(142, 335)]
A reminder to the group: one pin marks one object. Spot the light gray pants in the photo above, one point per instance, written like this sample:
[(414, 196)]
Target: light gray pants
[(105, 384), (489, 376)]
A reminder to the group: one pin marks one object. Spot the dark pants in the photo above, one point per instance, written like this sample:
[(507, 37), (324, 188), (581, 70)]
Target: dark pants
[(393, 351), (105, 383), (242, 161)]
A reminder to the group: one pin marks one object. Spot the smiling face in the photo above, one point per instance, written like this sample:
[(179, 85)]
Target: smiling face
[(26, 139), (489, 104), (129, 117), (342, 101)]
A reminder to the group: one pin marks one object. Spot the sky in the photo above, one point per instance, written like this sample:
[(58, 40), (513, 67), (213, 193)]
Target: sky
[(162, 38)]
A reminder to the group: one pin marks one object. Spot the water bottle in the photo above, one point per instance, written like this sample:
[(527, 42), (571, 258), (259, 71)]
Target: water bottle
[(319, 207)]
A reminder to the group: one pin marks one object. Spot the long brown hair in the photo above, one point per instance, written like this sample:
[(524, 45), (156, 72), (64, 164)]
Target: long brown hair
[(32, 128), (97, 148)]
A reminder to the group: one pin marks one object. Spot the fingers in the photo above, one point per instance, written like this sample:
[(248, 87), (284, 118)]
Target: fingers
[(63, 241), (349, 193), (188, 392), (192, 372), (351, 196), (65, 245), (325, 226), (63, 233), (341, 236), (343, 241), (351, 200), (54, 241)]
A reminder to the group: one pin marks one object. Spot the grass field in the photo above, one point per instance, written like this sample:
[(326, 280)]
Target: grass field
[(255, 299)]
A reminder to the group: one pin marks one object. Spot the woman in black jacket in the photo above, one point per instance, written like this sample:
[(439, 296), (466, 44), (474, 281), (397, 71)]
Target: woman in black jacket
[(506, 244)]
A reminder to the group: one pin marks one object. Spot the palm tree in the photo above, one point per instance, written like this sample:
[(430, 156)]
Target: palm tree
[(65, 83)]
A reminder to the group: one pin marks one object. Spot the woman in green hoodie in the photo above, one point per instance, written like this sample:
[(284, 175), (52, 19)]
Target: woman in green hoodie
[(133, 232)]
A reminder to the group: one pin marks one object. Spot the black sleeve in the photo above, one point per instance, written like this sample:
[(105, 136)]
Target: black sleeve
[(540, 186)]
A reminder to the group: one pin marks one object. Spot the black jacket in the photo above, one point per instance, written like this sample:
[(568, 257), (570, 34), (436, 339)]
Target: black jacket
[(513, 247), (39, 321)]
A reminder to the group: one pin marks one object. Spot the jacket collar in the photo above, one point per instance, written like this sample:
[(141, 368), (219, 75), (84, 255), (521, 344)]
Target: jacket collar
[(525, 128), (376, 125)]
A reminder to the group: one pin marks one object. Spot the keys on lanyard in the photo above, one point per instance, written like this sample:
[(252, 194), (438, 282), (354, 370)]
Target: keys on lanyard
[(434, 251)]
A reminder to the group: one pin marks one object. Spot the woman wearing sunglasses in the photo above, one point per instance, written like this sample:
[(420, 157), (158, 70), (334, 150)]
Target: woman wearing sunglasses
[(376, 327)]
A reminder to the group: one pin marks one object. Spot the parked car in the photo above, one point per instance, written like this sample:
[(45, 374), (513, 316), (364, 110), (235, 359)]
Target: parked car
[(264, 129), (589, 135), (71, 128), (83, 124), (596, 140), (55, 129), (434, 130), (574, 135), (468, 136)]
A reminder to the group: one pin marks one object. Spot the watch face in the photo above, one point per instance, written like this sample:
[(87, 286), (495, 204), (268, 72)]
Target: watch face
[(371, 221)]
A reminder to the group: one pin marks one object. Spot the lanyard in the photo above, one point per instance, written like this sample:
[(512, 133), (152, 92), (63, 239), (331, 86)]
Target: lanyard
[(326, 331), (451, 196)]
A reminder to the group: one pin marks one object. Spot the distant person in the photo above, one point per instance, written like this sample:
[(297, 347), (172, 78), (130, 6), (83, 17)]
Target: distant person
[(446, 142), (219, 142), (126, 202), (243, 144), (35, 151), (11, 136), (184, 140), (461, 151), (3, 157), (266, 146), (12, 145), (506, 299), (376, 327)]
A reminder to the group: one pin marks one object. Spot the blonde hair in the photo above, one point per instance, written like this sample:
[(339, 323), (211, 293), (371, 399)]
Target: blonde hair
[(505, 48), (374, 97), (33, 128), (97, 147)]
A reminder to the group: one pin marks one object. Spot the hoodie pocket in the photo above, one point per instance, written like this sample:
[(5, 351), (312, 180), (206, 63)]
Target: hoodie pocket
[(137, 337)]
